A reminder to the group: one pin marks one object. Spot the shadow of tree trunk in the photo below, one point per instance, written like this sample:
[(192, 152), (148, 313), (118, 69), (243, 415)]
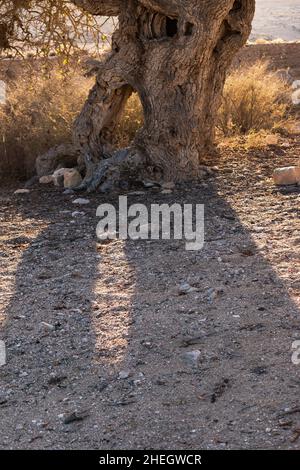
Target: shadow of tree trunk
[(117, 333)]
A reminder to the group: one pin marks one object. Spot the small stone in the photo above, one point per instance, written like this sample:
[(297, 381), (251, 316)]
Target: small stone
[(58, 176), (68, 192), (149, 184), (75, 416), (296, 97), (81, 201), (272, 139), (46, 179), (2, 355), (22, 191), (296, 84), (124, 374), (136, 193), (47, 326), (186, 288), (287, 175), (72, 178), (192, 357), (166, 191)]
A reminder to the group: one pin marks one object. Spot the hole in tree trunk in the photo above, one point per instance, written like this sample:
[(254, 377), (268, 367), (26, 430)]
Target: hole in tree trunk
[(132, 119), (156, 26), (237, 5), (188, 29), (171, 27)]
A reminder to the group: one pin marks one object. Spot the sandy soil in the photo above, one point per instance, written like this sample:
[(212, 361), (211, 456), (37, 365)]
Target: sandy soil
[(110, 369)]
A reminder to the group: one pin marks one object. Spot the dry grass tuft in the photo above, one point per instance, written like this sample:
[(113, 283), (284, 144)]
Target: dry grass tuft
[(254, 99), (38, 114)]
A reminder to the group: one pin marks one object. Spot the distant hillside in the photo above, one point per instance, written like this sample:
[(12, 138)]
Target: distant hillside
[(281, 56)]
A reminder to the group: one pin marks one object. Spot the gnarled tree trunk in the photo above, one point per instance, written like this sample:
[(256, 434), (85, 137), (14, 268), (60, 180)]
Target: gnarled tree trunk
[(174, 54)]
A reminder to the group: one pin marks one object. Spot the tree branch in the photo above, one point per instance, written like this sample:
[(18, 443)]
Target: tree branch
[(100, 7), (166, 7)]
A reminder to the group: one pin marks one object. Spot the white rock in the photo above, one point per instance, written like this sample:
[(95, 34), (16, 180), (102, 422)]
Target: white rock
[(296, 84), (124, 374), (47, 326), (58, 176), (272, 139), (296, 97), (72, 178), (46, 179), (2, 353), (81, 201), (22, 191), (149, 184), (287, 175), (192, 357), (77, 213), (136, 193)]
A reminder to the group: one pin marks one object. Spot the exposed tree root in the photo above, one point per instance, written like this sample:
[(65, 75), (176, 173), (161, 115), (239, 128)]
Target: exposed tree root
[(127, 164)]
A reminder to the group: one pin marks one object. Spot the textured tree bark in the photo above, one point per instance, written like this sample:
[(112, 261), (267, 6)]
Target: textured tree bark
[(174, 54)]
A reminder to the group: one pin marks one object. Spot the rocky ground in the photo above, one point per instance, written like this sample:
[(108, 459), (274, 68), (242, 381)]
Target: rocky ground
[(104, 351)]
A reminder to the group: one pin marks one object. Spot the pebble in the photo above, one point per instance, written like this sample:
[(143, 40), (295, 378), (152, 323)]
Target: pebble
[(192, 357), (124, 374), (81, 201), (136, 193), (22, 191), (186, 288), (75, 416), (47, 326), (46, 179), (149, 184), (77, 213)]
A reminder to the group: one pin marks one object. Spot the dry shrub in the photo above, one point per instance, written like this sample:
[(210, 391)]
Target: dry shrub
[(254, 99), (39, 113)]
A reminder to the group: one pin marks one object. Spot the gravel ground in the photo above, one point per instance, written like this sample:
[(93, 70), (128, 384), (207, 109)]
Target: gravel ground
[(104, 353)]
